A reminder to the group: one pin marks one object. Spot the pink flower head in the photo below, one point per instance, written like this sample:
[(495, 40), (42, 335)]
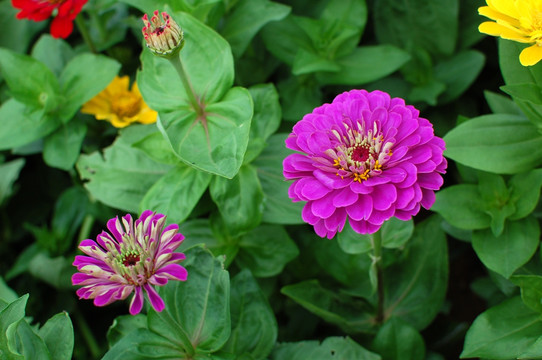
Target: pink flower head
[(162, 34), (39, 10), (365, 157), (134, 256)]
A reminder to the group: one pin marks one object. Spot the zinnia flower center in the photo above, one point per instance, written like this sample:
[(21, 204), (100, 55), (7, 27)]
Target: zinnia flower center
[(127, 105), (359, 153), (130, 259)]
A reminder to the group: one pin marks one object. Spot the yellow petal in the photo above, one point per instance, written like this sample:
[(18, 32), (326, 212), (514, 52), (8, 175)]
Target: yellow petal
[(507, 7), (531, 55), (119, 85), (148, 116), (505, 32), (495, 15)]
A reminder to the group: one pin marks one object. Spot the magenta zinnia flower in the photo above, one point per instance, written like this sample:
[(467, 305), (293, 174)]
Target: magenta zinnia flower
[(136, 257), (365, 157)]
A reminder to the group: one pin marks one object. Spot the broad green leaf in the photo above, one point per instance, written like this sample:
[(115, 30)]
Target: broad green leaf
[(177, 192), (458, 73), (499, 143), (531, 290), (197, 312), (411, 21), (9, 316), (352, 314), (247, 18), (123, 325), (24, 341), (57, 334), (55, 271), (395, 233), (158, 149), (365, 64), (208, 63), (239, 200), (9, 172), (416, 285), (528, 92), (26, 30), (6, 293), (525, 192), (501, 104), (495, 197), (512, 70), (216, 143), (512, 249), (397, 340), (331, 348), (285, 38), (198, 8), (505, 331), (351, 12), (22, 124), (83, 78), (143, 344), (61, 148), (54, 53), (266, 119), (254, 327), (299, 96), (278, 207), (266, 250), (36, 86), (70, 209), (122, 176), (462, 207), (306, 62)]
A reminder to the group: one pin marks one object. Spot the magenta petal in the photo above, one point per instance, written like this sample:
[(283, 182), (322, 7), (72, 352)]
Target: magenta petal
[(155, 299), (174, 270), (137, 301), (384, 196), (362, 209), (344, 197), (323, 207)]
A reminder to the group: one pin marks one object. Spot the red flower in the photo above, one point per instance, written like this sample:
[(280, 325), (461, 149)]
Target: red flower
[(39, 10)]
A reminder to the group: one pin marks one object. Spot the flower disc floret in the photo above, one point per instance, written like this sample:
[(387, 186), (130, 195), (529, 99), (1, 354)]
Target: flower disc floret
[(517, 20), (132, 257), (365, 158)]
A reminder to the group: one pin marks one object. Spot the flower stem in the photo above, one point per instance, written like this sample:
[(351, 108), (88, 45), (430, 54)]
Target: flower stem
[(84, 33), (189, 89), (84, 231), (376, 240), (92, 344)]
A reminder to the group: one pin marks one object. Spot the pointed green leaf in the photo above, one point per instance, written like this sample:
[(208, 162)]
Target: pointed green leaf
[(24, 341), (123, 325), (331, 348), (525, 192), (397, 340), (57, 333), (143, 344), (61, 148), (9, 172)]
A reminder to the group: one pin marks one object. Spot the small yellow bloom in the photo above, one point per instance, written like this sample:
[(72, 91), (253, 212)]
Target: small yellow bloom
[(119, 105), (517, 20)]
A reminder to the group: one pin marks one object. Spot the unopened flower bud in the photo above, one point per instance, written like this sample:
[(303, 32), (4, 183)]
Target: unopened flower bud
[(162, 34)]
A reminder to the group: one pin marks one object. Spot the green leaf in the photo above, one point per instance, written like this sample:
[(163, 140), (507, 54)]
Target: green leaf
[(254, 327), (26, 30), (36, 86), (525, 192), (55, 271), (458, 73), (352, 314), (61, 148), (83, 78), (528, 92), (239, 200), (531, 290), (158, 149), (299, 96), (22, 124), (124, 174), (266, 250), (54, 53), (395, 233), (462, 207), (217, 143), (6, 293), (9, 172), (266, 119), (416, 285), (495, 196), (57, 333), (512, 70), (412, 18), (177, 192), (24, 341), (306, 62), (197, 312), (278, 207), (512, 249), (499, 143), (331, 348), (9, 316), (247, 18), (365, 64), (501, 104), (143, 344), (397, 340), (123, 325), (70, 209), (285, 38), (505, 331), (208, 63), (198, 8)]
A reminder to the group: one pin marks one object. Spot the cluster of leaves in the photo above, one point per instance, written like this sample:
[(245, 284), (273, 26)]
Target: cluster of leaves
[(258, 66)]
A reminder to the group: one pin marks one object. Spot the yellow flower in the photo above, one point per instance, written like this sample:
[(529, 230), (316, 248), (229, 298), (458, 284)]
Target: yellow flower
[(518, 20), (119, 105)]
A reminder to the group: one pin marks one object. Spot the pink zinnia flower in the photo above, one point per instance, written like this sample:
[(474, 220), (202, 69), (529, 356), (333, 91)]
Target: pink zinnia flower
[(136, 257), (38, 10), (365, 157)]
